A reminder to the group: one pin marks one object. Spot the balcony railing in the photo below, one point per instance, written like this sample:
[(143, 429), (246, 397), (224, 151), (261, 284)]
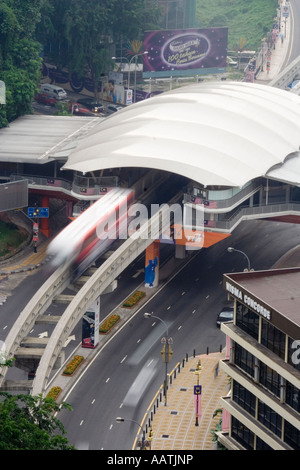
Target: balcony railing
[(80, 185)]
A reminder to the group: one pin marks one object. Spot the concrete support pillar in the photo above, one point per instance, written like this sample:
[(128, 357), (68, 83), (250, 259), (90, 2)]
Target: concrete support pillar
[(44, 222), (69, 208), (152, 265), (180, 251)]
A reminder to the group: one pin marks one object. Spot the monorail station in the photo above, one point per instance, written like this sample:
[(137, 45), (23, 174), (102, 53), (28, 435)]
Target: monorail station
[(236, 145), (262, 411)]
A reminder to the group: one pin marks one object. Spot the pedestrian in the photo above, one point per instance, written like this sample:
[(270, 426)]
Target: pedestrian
[(281, 37), (217, 370)]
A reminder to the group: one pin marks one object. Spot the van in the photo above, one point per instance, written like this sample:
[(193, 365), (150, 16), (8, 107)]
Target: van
[(53, 91)]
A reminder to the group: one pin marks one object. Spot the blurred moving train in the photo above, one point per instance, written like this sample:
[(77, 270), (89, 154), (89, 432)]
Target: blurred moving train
[(87, 237)]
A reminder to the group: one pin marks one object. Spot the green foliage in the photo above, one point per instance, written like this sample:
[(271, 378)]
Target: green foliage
[(250, 20), (29, 423), (11, 237), (19, 56)]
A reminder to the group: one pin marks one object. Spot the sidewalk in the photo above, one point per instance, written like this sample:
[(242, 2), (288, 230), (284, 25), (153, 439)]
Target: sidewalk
[(174, 426), (278, 56)]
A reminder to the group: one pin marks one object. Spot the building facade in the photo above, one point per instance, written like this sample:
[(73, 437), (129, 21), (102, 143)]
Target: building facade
[(262, 411)]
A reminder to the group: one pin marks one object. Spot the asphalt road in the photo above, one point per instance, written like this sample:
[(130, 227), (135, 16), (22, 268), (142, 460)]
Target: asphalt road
[(125, 376)]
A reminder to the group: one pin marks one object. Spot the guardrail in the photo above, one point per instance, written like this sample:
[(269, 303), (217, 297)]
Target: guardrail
[(256, 212)]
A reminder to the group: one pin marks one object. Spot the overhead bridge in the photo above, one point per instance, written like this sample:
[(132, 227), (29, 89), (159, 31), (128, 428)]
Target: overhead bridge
[(47, 351)]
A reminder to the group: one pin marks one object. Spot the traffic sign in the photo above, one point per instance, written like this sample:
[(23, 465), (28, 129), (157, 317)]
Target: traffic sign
[(39, 212)]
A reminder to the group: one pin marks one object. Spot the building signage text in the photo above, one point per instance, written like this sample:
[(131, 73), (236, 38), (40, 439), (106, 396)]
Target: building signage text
[(249, 301)]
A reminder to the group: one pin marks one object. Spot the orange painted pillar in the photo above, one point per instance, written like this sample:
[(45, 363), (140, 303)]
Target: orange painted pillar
[(44, 222), (152, 264)]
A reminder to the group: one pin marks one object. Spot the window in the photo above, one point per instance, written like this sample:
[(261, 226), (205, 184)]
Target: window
[(273, 338), (293, 396), (269, 379), (244, 398), (291, 436), (244, 359), (242, 434), (261, 445), (247, 320), (269, 418)]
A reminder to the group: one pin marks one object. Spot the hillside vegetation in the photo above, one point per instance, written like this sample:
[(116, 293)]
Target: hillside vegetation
[(248, 21)]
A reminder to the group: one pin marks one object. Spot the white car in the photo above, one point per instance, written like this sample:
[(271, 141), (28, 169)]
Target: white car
[(113, 108)]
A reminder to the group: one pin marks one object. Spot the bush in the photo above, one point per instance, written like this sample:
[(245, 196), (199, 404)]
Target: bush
[(72, 366), (134, 299), (109, 323), (54, 392)]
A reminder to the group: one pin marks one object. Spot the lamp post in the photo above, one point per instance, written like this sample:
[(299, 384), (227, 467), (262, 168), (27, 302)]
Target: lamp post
[(121, 420), (129, 66), (134, 57), (166, 352), (116, 58), (230, 249), (197, 392)]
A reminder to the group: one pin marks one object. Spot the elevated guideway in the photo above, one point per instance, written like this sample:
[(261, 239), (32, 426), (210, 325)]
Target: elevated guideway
[(48, 352), (284, 78)]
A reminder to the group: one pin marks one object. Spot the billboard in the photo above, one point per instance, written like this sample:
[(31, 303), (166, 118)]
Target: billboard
[(185, 52), (90, 326)]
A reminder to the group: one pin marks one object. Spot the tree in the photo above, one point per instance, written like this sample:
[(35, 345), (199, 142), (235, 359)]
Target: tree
[(82, 36), (19, 56), (28, 423)]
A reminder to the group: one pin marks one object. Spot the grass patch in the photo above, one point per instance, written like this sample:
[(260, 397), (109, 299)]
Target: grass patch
[(11, 237)]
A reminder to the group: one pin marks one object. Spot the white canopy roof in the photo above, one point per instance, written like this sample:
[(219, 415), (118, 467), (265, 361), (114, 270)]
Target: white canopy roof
[(216, 133)]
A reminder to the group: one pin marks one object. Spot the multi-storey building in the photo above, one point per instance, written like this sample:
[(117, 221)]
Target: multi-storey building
[(262, 411)]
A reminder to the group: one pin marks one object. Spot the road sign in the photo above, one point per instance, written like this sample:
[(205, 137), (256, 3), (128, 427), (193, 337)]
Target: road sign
[(39, 212)]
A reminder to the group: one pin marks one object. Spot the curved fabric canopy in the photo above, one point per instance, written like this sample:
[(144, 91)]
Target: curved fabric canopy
[(215, 133)]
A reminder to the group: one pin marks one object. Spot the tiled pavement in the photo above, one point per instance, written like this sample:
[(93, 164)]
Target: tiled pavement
[(27, 260), (173, 425)]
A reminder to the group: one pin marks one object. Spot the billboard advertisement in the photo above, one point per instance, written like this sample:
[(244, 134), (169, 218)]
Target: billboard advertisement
[(185, 52), (90, 326)]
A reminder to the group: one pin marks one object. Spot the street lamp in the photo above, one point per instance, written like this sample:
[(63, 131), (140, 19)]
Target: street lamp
[(116, 58), (121, 420), (197, 392), (230, 249), (166, 352), (134, 57)]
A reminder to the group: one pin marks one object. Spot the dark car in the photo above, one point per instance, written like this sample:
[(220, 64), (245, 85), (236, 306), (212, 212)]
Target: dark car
[(91, 104), (226, 314)]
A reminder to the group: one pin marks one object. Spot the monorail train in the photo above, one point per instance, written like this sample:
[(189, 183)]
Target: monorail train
[(88, 236)]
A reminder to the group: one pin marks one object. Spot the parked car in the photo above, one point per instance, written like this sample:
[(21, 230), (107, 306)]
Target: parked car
[(231, 62), (91, 104), (45, 99), (113, 108), (53, 91), (78, 109), (226, 314)]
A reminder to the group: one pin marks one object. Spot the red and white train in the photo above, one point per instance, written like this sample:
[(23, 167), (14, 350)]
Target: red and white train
[(88, 236)]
